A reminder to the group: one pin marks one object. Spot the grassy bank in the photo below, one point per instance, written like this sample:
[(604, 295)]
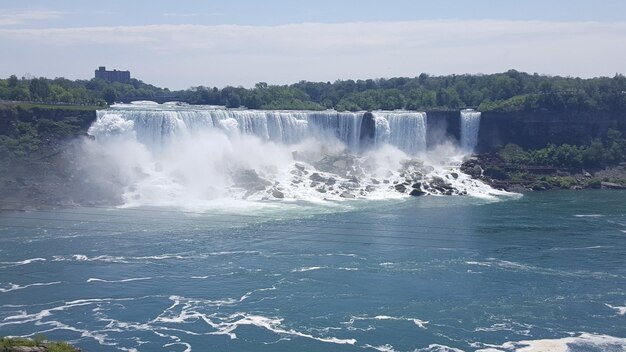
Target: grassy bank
[(40, 343)]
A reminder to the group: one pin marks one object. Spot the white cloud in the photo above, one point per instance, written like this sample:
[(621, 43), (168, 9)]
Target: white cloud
[(179, 56), (12, 18)]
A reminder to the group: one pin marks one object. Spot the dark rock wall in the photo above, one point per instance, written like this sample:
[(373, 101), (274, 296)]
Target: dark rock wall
[(537, 129), (368, 131), (442, 125)]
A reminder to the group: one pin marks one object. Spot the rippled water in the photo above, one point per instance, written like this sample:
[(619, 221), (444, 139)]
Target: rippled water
[(547, 270)]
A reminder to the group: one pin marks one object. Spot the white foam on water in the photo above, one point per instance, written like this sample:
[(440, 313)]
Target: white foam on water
[(438, 348), (273, 325), (518, 328), (309, 268), (13, 287), (381, 348), (560, 344), (21, 262), (620, 310), (119, 281), (418, 322), (588, 215)]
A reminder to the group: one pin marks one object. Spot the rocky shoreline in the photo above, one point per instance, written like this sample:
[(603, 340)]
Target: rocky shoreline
[(494, 171)]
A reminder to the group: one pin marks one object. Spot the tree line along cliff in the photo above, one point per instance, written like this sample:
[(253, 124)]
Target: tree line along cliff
[(506, 92)]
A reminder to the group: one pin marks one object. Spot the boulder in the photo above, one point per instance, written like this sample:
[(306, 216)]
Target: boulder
[(347, 195), (317, 177), (417, 192), (249, 179), (300, 166), (611, 185), (278, 194), (400, 188)]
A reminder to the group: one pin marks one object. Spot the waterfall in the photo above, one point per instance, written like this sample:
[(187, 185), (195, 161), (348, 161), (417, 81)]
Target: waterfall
[(183, 155), (157, 125), (470, 125), (403, 129)]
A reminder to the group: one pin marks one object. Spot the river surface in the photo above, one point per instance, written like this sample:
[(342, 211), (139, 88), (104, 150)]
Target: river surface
[(543, 272)]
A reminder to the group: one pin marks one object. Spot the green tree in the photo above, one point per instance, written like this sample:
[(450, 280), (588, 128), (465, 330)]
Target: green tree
[(39, 89), (13, 81), (109, 95)]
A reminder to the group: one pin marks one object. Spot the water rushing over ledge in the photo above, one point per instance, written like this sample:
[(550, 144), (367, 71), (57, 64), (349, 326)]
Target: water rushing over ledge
[(172, 154)]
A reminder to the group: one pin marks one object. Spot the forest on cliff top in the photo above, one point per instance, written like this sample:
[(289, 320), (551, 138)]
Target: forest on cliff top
[(511, 91)]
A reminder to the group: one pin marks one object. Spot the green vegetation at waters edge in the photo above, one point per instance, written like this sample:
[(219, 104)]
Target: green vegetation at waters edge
[(35, 130), (508, 92), (8, 344), (600, 164), (600, 153)]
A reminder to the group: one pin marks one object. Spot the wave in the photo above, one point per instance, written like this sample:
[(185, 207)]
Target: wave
[(119, 281), (309, 268), (15, 287), (21, 262), (620, 310)]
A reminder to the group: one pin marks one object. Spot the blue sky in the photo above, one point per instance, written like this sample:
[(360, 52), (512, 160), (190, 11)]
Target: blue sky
[(178, 44)]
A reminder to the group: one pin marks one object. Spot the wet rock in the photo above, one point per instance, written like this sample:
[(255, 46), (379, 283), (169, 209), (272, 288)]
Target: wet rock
[(417, 193), (454, 175), (27, 349), (253, 190), (249, 179), (417, 185), (278, 194), (299, 166), (347, 195), (375, 181), (317, 177), (611, 185), (370, 188), (331, 181), (400, 187)]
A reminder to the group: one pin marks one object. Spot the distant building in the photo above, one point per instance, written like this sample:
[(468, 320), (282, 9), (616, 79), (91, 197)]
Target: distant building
[(113, 76)]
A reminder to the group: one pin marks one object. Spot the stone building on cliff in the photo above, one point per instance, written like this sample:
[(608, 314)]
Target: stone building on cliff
[(113, 76)]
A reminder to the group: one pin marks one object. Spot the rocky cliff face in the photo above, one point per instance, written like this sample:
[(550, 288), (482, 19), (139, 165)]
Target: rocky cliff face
[(442, 125), (537, 129)]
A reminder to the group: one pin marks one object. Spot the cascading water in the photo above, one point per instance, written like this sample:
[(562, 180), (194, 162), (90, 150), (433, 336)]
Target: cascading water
[(156, 125), (173, 155), (403, 129), (470, 125)]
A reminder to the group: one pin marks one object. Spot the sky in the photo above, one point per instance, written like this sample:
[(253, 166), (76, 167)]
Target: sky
[(185, 43)]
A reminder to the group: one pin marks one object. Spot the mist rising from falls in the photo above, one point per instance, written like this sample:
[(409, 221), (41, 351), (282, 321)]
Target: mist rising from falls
[(470, 125), (182, 155)]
